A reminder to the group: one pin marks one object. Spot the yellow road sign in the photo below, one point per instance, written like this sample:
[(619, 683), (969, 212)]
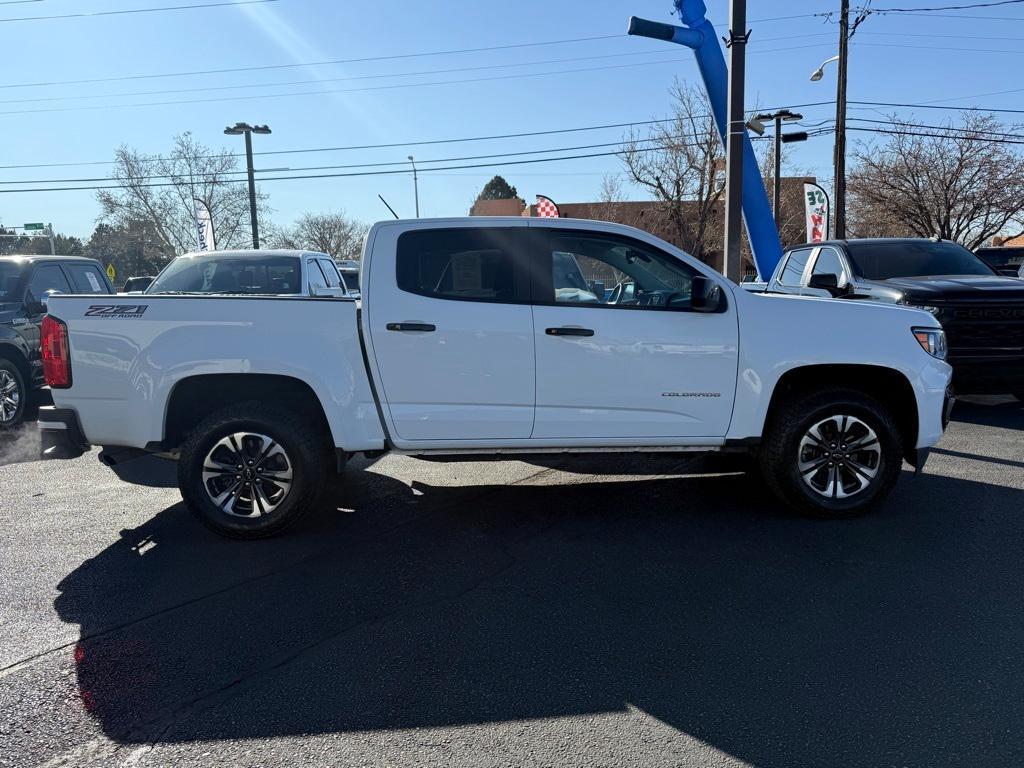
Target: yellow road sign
[(111, 273)]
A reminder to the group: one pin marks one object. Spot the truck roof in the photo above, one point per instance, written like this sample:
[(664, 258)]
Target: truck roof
[(31, 258), (244, 252)]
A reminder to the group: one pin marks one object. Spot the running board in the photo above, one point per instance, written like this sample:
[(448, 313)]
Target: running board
[(538, 450)]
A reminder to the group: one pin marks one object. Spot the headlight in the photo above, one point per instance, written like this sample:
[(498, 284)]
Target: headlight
[(932, 341)]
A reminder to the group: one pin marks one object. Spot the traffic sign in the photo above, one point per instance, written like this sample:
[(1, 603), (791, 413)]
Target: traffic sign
[(111, 273), (36, 226)]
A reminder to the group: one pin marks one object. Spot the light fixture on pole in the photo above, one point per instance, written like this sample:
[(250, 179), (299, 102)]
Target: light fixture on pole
[(248, 130), (779, 117), (415, 185), (819, 73)]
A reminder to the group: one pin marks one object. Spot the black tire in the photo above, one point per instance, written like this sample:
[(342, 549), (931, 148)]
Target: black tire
[(782, 452), (10, 375), (306, 456)]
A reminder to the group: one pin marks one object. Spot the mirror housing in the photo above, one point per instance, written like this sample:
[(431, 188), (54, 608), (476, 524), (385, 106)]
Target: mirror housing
[(828, 282), (705, 295)]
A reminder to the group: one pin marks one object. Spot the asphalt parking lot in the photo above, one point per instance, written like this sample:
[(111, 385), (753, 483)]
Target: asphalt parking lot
[(646, 611)]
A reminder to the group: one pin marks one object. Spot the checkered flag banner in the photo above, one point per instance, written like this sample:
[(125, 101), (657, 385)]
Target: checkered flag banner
[(546, 208)]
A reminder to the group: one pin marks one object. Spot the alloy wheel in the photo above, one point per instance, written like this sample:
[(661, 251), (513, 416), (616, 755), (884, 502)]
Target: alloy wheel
[(247, 474), (10, 397), (839, 457)]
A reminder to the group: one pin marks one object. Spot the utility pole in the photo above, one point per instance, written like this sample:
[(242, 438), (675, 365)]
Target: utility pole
[(249, 130), (732, 268), (840, 150), (415, 186)]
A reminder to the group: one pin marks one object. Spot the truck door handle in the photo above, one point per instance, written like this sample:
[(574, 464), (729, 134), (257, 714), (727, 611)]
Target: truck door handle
[(569, 332), (422, 327)]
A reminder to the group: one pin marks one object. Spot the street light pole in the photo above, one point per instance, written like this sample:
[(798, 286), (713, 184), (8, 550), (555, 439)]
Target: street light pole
[(415, 185), (734, 144), (248, 130), (840, 150)]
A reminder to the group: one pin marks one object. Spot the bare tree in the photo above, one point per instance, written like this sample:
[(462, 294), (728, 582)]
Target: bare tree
[(964, 184), (681, 163), (335, 234), (159, 191)]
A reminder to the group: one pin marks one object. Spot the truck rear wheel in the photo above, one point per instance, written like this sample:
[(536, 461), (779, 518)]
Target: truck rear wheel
[(250, 470), (13, 395), (832, 454)]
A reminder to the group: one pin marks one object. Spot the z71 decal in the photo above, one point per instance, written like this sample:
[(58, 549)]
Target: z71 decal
[(127, 311)]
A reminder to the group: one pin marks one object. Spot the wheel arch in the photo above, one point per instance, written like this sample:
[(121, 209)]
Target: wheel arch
[(194, 398), (887, 385), (13, 352)]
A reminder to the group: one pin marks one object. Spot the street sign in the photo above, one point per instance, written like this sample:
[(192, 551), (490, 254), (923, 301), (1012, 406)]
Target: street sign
[(37, 226), (111, 272)]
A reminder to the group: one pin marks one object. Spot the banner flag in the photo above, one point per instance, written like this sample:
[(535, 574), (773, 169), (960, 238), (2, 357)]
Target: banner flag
[(205, 239), (816, 206), (547, 208)]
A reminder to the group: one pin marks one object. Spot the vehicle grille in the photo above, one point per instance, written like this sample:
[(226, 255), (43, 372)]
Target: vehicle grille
[(983, 326)]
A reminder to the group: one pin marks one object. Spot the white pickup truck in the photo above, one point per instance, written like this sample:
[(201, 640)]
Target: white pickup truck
[(490, 336)]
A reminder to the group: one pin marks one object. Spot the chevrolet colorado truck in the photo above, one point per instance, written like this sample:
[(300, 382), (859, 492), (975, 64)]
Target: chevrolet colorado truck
[(472, 338)]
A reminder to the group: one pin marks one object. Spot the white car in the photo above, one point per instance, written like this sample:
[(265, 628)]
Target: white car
[(465, 344), (250, 272)]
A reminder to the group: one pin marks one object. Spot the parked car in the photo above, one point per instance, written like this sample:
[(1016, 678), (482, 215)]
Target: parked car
[(26, 284), (250, 272), (981, 311), (136, 284), (350, 275), (1006, 260), (464, 345)]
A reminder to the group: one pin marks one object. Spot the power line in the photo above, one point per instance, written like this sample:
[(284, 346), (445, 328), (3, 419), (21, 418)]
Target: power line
[(937, 106), (340, 175), (392, 145), (660, 51), (969, 6), (326, 91), (654, 52), (423, 164), (122, 12), (264, 67)]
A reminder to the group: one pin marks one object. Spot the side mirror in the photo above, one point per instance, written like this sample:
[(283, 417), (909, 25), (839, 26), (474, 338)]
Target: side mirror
[(827, 282), (705, 294)]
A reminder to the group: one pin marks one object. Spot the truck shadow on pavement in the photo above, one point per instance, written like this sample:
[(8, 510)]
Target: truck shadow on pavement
[(889, 640)]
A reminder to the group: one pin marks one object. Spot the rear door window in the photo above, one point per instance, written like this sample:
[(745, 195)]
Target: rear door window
[(471, 264), (48, 277), (330, 273), (315, 276), (85, 278), (793, 272)]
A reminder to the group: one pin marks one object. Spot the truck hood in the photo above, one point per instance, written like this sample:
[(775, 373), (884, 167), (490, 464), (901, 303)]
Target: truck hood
[(954, 288)]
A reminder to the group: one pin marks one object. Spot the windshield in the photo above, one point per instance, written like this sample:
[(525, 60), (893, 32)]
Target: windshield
[(10, 275), (267, 275), (879, 260)]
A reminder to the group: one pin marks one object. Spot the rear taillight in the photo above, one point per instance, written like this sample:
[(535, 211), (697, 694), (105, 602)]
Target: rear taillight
[(56, 359)]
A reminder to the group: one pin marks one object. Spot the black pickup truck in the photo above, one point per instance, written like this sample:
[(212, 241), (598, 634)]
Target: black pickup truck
[(981, 311), (25, 284)]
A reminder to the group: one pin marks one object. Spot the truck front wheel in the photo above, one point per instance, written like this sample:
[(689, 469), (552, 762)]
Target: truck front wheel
[(832, 454), (250, 470)]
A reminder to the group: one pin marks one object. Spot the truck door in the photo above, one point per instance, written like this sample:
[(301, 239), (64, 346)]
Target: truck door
[(452, 331), (644, 367)]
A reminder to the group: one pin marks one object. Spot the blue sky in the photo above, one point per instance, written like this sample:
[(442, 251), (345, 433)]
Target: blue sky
[(905, 58)]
